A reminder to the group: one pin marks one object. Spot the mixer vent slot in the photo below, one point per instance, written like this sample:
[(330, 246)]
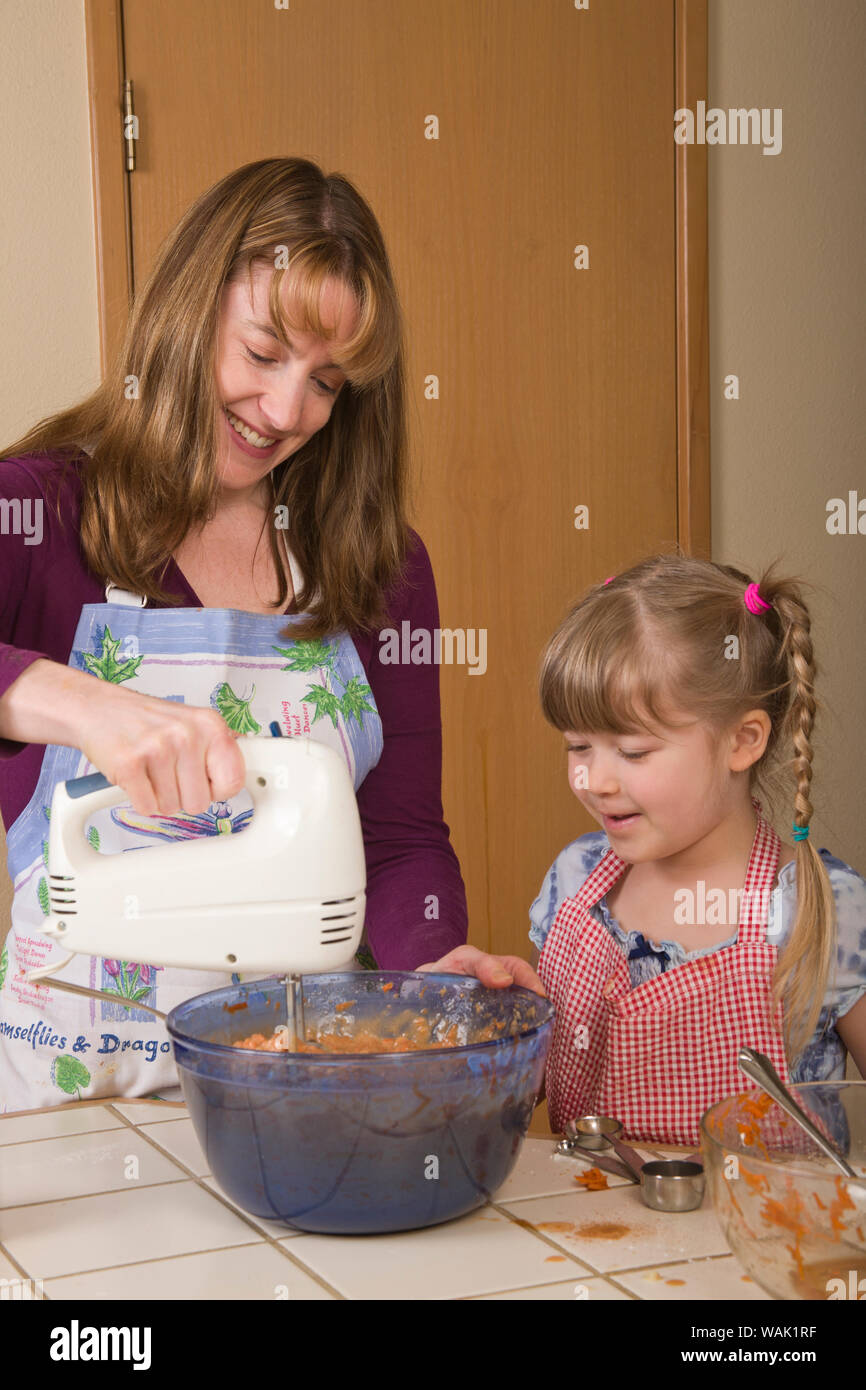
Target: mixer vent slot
[(344, 922), (349, 916), (61, 892)]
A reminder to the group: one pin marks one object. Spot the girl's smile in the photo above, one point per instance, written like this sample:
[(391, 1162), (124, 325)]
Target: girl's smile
[(676, 797), (615, 824)]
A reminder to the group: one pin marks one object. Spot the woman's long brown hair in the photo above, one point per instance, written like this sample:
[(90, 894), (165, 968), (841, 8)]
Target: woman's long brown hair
[(151, 427)]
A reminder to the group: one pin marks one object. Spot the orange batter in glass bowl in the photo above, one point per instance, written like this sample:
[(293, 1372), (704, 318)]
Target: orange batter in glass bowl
[(797, 1224), (433, 1072), (417, 1036)]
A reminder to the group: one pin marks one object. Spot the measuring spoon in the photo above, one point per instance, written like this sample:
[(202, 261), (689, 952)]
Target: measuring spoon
[(570, 1148), (666, 1184)]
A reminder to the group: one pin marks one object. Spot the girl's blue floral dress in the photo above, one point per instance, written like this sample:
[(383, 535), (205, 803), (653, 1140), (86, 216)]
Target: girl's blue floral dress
[(823, 1059)]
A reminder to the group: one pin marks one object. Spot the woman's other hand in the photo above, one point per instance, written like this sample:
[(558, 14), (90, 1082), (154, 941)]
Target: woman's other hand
[(498, 972)]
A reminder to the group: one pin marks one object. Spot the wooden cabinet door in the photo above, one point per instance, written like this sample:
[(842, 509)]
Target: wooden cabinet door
[(563, 379)]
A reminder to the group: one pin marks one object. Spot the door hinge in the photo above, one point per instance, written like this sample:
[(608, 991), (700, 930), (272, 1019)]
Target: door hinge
[(130, 125)]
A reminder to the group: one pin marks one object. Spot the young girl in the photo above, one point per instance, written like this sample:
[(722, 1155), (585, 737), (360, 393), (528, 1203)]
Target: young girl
[(685, 928)]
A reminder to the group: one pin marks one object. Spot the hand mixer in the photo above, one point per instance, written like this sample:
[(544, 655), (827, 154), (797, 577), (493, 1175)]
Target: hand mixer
[(287, 893)]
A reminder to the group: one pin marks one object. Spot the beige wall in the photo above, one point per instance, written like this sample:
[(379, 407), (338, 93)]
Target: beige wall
[(786, 307), (787, 293), (50, 353)]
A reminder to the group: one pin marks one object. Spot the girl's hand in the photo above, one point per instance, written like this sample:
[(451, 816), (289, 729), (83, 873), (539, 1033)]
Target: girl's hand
[(498, 972)]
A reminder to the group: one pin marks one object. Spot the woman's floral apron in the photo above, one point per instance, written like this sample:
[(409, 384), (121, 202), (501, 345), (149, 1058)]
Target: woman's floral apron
[(55, 1047)]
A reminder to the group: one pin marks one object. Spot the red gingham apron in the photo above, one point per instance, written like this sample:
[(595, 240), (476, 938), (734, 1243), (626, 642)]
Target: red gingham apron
[(657, 1056)]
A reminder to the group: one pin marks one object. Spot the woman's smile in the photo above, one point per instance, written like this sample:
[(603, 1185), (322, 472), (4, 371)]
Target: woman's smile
[(250, 440)]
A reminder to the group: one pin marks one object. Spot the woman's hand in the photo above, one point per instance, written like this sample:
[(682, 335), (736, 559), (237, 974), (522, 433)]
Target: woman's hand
[(496, 971), (166, 756)]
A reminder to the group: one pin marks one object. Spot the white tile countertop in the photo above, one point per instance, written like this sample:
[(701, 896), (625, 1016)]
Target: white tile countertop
[(113, 1200)]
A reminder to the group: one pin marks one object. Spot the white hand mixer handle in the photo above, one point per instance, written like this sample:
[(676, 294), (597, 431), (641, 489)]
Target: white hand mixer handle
[(287, 892)]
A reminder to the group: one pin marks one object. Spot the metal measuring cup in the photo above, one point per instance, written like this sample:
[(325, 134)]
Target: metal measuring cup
[(666, 1184)]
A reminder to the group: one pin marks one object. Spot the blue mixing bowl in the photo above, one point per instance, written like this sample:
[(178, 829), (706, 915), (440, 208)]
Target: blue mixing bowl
[(350, 1144)]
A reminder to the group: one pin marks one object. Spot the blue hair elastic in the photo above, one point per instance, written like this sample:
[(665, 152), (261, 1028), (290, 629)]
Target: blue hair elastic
[(801, 832)]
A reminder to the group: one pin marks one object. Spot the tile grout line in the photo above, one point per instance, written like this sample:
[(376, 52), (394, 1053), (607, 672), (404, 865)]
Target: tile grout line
[(263, 1235), (186, 1175), (629, 1293), (91, 1103), (7, 1254), (533, 1230), (609, 1278), (518, 1288), (46, 1139), (609, 1274), (52, 1138), (683, 1260), (274, 1241), (670, 1264), (86, 1196), (159, 1259)]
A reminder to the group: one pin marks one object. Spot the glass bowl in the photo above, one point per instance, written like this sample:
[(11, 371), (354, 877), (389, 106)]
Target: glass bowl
[(349, 1143), (794, 1221)]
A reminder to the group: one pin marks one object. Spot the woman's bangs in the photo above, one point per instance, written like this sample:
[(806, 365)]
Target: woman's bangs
[(369, 353)]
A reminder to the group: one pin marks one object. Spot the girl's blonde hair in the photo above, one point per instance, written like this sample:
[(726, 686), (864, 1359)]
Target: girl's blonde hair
[(151, 427), (660, 639)]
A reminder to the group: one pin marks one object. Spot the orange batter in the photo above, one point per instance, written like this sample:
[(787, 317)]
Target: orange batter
[(416, 1038)]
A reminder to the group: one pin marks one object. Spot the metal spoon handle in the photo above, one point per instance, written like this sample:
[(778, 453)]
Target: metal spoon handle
[(759, 1068), (609, 1165), (632, 1161), (103, 994)]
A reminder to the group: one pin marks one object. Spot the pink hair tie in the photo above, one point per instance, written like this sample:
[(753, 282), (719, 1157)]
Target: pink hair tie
[(753, 601), (607, 581)]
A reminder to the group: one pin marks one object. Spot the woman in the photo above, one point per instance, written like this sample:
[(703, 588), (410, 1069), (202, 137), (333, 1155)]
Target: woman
[(208, 545)]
